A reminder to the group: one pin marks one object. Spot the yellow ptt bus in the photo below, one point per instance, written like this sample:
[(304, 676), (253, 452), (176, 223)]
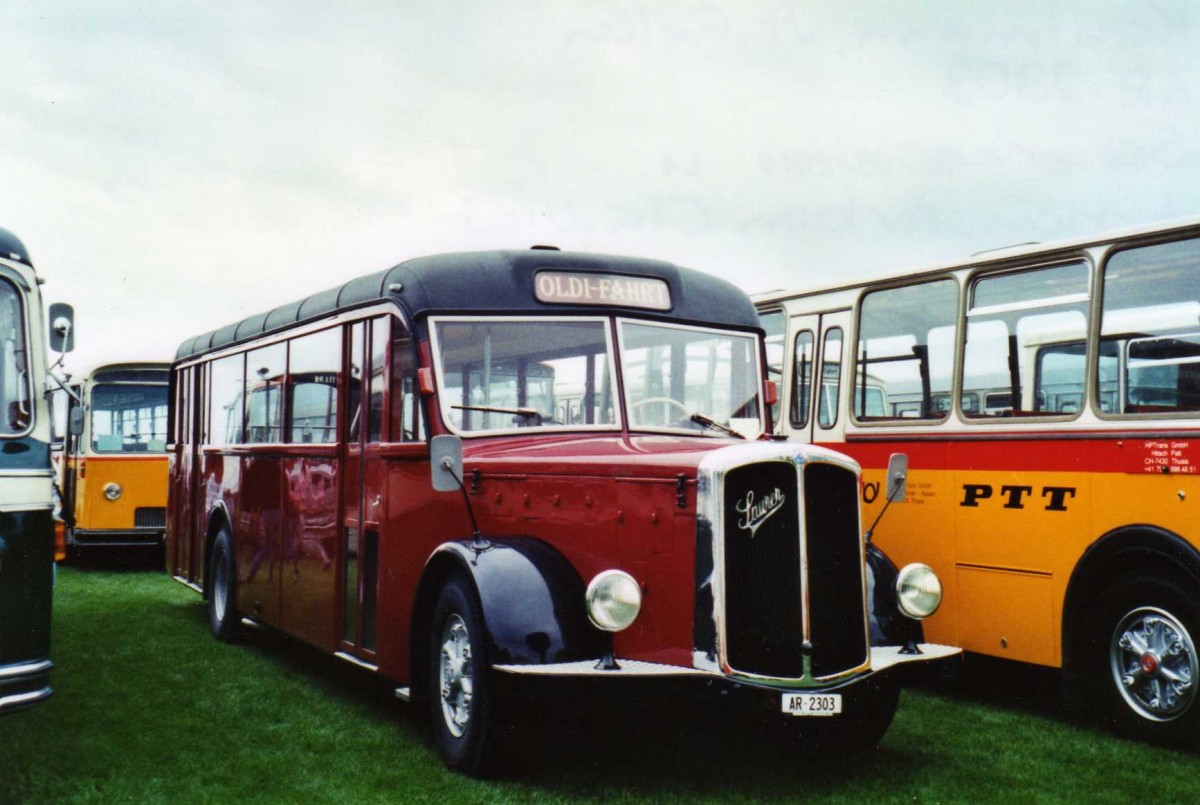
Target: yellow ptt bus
[(1047, 399), (114, 464)]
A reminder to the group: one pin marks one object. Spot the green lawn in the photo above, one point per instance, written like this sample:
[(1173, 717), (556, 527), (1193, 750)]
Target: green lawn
[(149, 708)]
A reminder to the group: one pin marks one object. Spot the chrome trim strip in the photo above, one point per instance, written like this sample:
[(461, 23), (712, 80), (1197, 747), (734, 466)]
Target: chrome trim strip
[(24, 699), (25, 669), (627, 669), (187, 583), (881, 659), (350, 658)]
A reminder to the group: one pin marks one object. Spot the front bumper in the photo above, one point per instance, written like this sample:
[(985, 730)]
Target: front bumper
[(125, 538), (24, 684), (882, 658)]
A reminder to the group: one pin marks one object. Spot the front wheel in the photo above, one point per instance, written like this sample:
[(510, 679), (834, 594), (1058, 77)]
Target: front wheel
[(1146, 664), (462, 706), (222, 592), (876, 702)]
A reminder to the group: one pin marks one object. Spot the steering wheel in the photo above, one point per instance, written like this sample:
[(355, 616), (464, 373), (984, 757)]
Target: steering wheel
[(663, 400)]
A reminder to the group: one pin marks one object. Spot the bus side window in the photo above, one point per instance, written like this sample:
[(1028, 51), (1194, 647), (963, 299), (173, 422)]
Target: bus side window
[(225, 399), (1151, 315), (905, 349), (264, 395), (314, 367), (1026, 336)]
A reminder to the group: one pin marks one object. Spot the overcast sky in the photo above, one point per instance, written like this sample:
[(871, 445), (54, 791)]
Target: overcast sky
[(173, 167)]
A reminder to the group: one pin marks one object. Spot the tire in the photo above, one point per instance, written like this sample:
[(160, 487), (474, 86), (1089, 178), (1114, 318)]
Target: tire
[(463, 710), (223, 616), (1145, 662)]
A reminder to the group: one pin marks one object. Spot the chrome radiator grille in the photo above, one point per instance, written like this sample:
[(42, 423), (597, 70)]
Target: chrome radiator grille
[(787, 588)]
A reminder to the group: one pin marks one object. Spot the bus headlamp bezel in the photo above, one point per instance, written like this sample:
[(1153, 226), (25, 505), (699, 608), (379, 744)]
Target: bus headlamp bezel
[(614, 600), (918, 591)]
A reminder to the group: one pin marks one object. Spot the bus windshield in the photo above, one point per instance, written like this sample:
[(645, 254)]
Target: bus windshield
[(556, 373), (683, 377), (14, 368), (129, 418)]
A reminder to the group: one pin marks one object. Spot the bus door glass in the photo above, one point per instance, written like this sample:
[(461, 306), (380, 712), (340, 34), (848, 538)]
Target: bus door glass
[(829, 419), (363, 483), (802, 330), (311, 474)]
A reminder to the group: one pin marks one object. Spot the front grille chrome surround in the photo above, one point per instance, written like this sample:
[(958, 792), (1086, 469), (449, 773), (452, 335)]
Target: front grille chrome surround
[(742, 495)]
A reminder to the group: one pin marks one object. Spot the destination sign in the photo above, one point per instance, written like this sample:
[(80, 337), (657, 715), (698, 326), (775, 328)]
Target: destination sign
[(580, 288)]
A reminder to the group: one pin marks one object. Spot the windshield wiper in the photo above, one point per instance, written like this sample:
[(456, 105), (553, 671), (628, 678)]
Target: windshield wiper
[(527, 413), (709, 422)]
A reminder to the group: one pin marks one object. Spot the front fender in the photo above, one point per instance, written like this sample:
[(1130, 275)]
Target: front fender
[(889, 627), (532, 600)]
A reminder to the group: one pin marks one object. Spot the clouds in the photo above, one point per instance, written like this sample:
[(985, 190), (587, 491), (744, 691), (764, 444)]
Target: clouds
[(176, 166)]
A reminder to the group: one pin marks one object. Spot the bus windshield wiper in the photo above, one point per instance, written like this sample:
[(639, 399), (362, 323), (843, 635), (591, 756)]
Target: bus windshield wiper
[(528, 413), (709, 422)]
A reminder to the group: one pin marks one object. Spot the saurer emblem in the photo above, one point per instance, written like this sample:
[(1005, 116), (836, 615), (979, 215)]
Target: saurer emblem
[(756, 512)]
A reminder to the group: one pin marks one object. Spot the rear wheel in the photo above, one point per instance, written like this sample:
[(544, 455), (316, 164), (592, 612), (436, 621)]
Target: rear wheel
[(462, 706), (222, 590), (1145, 663)]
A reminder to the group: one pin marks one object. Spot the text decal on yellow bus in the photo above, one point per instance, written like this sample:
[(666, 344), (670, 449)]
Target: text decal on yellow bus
[(580, 288)]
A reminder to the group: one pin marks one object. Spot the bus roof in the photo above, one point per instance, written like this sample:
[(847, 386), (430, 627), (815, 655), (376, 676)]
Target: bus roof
[(494, 282), (995, 257), (12, 248)]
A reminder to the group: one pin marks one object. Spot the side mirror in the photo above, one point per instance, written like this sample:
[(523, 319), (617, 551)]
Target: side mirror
[(62, 327), (897, 477), (75, 426), (445, 463)]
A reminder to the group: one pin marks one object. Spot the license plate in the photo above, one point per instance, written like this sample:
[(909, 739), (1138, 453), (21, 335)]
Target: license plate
[(812, 704)]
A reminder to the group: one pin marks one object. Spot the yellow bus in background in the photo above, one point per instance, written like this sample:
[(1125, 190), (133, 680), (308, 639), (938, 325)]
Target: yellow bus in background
[(1047, 401), (113, 474)]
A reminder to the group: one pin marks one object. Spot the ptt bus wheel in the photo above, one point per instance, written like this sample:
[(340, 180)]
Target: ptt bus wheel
[(462, 707), (1145, 663), (222, 594)]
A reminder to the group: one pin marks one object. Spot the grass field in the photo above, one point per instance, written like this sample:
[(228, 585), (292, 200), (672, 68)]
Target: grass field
[(149, 708)]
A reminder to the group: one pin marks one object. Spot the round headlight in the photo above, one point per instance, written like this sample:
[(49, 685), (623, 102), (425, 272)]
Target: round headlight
[(614, 600), (112, 491), (918, 591)]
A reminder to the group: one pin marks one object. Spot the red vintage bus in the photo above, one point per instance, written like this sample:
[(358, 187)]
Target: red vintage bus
[(509, 465)]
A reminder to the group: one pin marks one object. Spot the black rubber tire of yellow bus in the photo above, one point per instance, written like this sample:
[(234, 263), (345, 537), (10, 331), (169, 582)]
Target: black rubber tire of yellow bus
[(223, 616), (465, 715), (1143, 646)]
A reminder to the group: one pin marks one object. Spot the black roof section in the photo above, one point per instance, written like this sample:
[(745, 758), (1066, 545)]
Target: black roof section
[(12, 248), (495, 282)]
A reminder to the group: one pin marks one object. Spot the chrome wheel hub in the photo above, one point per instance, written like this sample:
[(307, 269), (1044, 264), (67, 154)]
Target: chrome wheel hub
[(1154, 663), (456, 675), (220, 591)]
